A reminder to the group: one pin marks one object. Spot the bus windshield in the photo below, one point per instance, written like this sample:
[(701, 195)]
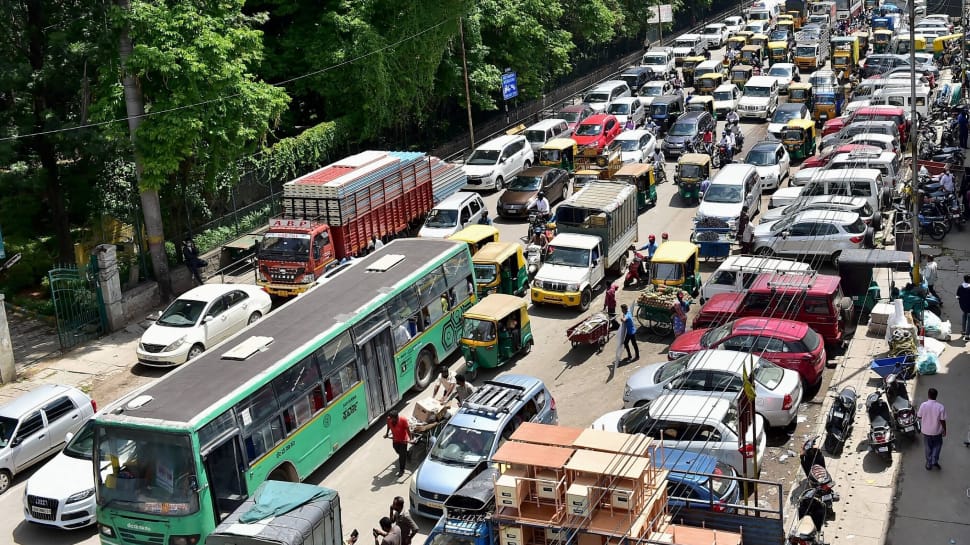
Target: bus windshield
[(145, 471)]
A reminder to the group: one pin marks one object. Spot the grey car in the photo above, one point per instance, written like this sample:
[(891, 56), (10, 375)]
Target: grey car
[(688, 131)]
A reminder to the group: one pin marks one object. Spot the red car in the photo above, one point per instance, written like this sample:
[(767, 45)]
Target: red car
[(879, 112), (598, 130), (574, 115), (817, 161), (789, 344)]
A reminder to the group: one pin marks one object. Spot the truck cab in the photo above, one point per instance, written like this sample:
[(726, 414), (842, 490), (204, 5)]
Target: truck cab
[(573, 267), (292, 255)]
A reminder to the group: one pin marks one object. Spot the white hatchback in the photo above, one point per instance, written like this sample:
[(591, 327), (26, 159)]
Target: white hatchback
[(719, 373), (636, 146), (61, 493), (198, 320), (772, 162)]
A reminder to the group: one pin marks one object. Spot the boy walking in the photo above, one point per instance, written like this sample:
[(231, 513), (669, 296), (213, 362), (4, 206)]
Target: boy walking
[(630, 334)]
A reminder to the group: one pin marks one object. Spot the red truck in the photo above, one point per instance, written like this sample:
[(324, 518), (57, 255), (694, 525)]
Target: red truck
[(333, 212), (813, 299)]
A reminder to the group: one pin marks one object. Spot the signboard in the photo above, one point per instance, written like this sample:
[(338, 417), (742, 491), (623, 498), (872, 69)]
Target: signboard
[(290, 223), (510, 85), (3, 252), (664, 13)]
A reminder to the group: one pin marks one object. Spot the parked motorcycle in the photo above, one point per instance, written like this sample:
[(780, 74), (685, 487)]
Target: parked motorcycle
[(904, 417), (838, 425), (812, 513), (881, 437), (636, 272), (813, 464)]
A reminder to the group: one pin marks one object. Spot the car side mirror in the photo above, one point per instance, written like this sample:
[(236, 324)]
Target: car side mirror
[(153, 317), (784, 234), (16, 441), (207, 319), (502, 161), (68, 436)]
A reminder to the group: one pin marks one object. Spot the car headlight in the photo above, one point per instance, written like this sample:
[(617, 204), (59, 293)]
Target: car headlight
[(74, 498), (537, 284), (175, 344), (572, 287), (413, 483), (672, 354)]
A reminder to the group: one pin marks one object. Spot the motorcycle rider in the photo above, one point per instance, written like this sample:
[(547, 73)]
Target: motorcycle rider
[(652, 126), (732, 118), (541, 206), (727, 140)]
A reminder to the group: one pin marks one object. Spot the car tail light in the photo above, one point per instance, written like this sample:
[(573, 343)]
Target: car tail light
[(787, 402), (747, 450), (552, 403), (856, 239), (94, 405), (718, 506)]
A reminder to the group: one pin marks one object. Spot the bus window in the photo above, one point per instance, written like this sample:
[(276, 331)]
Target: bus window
[(295, 381), (432, 286), (341, 381), (335, 354), (456, 268)]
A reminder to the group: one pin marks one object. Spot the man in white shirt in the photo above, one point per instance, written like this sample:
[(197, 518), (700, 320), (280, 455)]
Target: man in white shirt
[(932, 419), (930, 274), (542, 206), (946, 180)]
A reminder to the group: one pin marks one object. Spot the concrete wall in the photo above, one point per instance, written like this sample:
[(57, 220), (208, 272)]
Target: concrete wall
[(144, 299)]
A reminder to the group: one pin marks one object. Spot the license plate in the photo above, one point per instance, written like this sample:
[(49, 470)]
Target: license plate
[(827, 497), (882, 449), (433, 505), (41, 510), (838, 414)]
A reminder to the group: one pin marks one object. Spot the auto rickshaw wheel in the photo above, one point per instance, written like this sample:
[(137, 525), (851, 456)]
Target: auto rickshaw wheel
[(471, 374), (424, 369)]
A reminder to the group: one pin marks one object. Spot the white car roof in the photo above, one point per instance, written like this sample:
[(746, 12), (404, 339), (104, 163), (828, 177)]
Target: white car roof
[(726, 87), (719, 26), (872, 137), (689, 406), (656, 83), (720, 360), (626, 100), (634, 134), (826, 216)]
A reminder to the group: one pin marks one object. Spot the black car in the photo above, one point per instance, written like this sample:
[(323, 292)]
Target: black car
[(665, 110), (689, 128), (637, 76)]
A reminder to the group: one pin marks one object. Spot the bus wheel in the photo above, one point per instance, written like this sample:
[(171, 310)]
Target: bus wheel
[(424, 369), (284, 473)]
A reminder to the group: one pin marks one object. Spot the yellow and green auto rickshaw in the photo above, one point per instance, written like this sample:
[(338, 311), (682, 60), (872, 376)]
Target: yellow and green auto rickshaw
[(641, 176), (500, 267), (691, 170), (751, 52), (476, 236), (583, 177), (559, 153), (880, 40), (496, 330), (706, 84), (801, 92), (940, 44), (687, 69), (778, 51), (902, 44), (799, 138), (737, 42), (843, 62), (760, 40), (740, 74), (797, 17), (676, 263), (785, 24)]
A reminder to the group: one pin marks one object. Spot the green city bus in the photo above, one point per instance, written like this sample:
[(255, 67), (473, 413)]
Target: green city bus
[(278, 399)]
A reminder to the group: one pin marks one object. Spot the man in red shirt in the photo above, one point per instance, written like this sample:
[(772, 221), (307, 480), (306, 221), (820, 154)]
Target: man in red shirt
[(399, 431)]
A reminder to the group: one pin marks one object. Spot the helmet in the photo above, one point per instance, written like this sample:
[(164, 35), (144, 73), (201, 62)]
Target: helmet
[(542, 194), (664, 236), (652, 238)]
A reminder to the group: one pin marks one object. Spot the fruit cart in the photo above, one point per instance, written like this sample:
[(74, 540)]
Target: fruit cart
[(655, 308), (594, 329), (714, 242)]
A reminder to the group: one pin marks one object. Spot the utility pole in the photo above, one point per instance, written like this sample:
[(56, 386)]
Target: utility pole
[(914, 126), (468, 96)]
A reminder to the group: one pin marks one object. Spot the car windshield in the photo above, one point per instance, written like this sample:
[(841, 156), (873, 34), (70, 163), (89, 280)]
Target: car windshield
[(792, 134), (783, 116), (684, 43), (758, 92), (441, 217), (460, 445), (570, 257), (485, 273), (635, 421), (778, 35), (683, 129), (619, 109), (483, 157), (589, 129), (654, 59), (629, 144), (723, 193), (551, 155), (182, 313), (715, 335), (723, 95), (671, 369), (768, 374), (761, 157), (780, 71), (7, 427), (571, 117), (667, 271), (82, 443), (479, 330), (658, 109), (526, 183), (593, 98), (148, 471), (712, 30)]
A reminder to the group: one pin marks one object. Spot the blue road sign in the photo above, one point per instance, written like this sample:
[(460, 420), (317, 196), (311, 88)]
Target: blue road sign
[(510, 85)]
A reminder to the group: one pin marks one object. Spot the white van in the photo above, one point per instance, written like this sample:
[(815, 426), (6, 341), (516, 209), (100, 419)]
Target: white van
[(735, 189), (738, 272), (452, 215), (497, 161), (544, 131), (887, 162), (900, 96), (856, 182)]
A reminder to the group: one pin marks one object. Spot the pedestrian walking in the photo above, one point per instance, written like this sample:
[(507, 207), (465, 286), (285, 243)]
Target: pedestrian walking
[(609, 304), (932, 420), (403, 520), (190, 254), (399, 431), (631, 334), (963, 122), (680, 315), (963, 296), (930, 274), (388, 534)]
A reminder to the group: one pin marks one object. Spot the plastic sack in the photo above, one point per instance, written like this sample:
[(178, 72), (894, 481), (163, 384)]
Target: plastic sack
[(897, 318), (933, 346), (926, 363), (931, 324)]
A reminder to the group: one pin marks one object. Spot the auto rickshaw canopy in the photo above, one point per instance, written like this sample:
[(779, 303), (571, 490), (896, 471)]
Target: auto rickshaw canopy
[(803, 124), (737, 41), (476, 236), (740, 74), (800, 92), (675, 251), (701, 103), (693, 167), (500, 265), (750, 52), (799, 137), (497, 306), (498, 252), (558, 152), (881, 39), (863, 38), (939, 44), (708, 82), (676, 258)]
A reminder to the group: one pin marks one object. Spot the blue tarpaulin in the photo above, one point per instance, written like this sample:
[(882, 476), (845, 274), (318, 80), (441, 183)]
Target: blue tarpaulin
[(278, 497)]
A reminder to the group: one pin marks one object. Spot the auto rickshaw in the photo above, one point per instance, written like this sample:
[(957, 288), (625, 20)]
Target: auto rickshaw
[(843, 63), (751, 52), (860, 269), (940, 44), (863, 37), (880, 40), (691, 170), (687, 69), (737, 42), (740, 74), (641, 176), (799, 138), (702, 103), (676, 263), (779, 52), (785, 24), (797, 18), (500, 267), (476, 236), (706, 84), (801, 92), (496, 330), (902, 45), (761, 40), (828, 104), (559, 153)]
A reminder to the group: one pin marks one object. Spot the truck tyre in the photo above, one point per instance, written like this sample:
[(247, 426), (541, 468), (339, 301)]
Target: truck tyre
[(585, 299), (424, 369)]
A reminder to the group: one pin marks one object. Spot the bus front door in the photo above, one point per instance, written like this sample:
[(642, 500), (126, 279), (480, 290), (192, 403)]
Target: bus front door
[(224, 466), (380, 376)]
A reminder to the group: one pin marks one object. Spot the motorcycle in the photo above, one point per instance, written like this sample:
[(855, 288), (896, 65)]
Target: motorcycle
[(812, 513), (635, 269), (841, 417), (538, 225), (533, 258), (722, 154), (881, 436), (813, 464), (904, 417)]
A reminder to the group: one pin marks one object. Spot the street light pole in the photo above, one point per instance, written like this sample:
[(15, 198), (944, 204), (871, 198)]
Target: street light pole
[(914, 148)]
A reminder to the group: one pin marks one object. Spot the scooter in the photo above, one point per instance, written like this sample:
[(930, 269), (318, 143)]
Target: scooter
[(881, 436), (812, 513), (635, 270), (838, 425), (533, 258), (813, 464), (904, 417)]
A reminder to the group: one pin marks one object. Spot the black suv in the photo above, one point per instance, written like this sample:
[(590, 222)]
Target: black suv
[(689, 127), (637, 76)]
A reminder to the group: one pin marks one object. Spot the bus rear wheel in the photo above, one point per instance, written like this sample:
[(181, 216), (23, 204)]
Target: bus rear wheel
[(424, 369)]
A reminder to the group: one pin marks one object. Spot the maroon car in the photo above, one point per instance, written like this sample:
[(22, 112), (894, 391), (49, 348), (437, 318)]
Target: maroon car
[(574, 115)]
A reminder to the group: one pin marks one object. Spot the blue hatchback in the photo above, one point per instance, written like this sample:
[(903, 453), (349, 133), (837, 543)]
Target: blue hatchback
[(695, 481)]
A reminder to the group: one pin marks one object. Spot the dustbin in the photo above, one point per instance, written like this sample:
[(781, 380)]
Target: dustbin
[(904, 237)]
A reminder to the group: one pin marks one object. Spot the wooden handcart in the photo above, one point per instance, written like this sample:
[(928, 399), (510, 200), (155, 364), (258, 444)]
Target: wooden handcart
[(655, 308), (594, 329)]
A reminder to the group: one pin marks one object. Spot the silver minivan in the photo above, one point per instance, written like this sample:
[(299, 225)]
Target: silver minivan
[(544, 131), (36, 424)]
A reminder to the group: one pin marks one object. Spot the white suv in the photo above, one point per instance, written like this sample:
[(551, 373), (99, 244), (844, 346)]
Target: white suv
[(715, 34), (495, 162), (824, 233), (760, 97)]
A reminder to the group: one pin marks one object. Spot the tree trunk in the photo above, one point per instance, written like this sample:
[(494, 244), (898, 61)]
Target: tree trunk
[(36, 23), (150, 204)]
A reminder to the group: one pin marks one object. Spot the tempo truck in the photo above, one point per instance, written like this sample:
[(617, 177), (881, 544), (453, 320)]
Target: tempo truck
[(596, 228)]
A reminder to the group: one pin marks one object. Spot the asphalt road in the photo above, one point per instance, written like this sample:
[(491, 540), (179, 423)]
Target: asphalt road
[(583, 383)]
